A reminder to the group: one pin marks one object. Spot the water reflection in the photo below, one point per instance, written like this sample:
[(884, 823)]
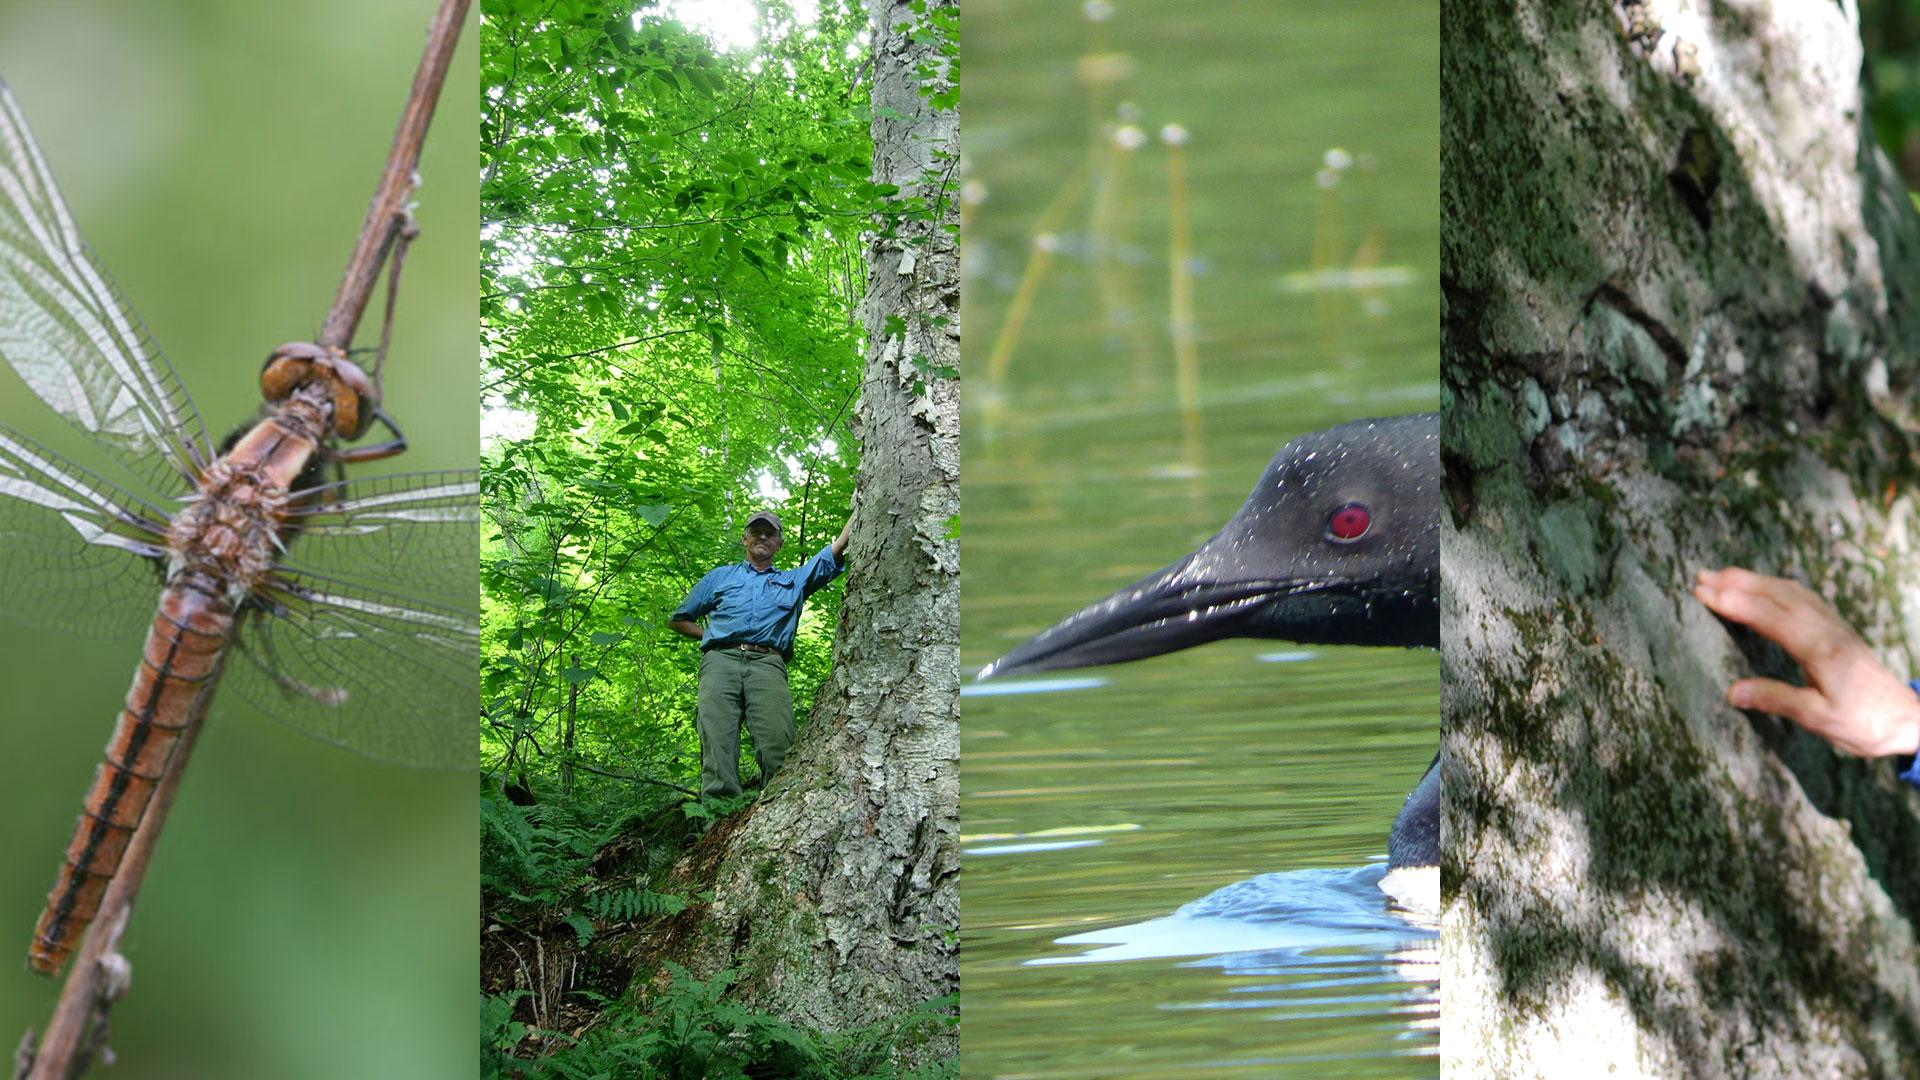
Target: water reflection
[(1095, 818), (1280, 919), (1305, 946), (1032, 686)]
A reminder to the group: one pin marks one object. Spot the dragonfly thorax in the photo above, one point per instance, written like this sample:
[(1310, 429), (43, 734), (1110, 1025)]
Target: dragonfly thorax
[(230, 529)]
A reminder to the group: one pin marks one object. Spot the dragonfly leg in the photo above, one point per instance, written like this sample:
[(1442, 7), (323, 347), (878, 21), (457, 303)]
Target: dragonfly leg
[(405, 230), (392, 446), (331, 696)]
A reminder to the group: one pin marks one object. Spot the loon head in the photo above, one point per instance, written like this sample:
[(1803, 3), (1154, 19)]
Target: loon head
[(1339, 544)]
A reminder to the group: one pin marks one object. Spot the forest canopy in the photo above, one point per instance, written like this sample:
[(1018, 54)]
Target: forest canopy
[(671, 265)]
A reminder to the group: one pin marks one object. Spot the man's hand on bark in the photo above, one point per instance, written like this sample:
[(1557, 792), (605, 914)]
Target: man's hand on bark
[(1850, 699)]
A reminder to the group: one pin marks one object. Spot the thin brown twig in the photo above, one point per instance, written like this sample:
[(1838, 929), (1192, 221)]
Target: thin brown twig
[(584, 767), (545, 360), (386, 215), (77, 1034), (806, 493)]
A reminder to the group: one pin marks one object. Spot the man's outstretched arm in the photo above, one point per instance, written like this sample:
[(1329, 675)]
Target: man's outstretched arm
[(840, 542)]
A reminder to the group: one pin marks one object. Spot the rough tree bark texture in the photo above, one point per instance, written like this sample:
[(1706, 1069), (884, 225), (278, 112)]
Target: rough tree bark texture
[(1681, 329), (837, 900)]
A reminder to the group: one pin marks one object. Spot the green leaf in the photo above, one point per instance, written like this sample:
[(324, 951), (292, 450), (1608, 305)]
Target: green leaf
[(582, 928)]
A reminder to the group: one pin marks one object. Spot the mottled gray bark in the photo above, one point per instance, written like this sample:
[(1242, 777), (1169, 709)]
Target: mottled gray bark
[(1681, 329), (837, 899)]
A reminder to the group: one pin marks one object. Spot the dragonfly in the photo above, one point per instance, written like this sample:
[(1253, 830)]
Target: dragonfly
[(344, 607)]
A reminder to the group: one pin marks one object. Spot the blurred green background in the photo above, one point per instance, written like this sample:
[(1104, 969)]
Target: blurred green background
[(1890, 30), (309, 913)]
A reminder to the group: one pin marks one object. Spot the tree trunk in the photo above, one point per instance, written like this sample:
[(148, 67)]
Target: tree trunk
[(837, 899), (1679, 282)]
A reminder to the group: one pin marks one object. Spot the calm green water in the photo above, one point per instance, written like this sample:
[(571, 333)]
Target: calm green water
[(1186, 773)]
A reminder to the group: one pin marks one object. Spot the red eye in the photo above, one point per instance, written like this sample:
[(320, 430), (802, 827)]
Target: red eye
[(1349, 523)]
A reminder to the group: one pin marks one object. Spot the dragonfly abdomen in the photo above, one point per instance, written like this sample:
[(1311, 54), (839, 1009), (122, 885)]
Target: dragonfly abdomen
[(178, 668), (221, 545)]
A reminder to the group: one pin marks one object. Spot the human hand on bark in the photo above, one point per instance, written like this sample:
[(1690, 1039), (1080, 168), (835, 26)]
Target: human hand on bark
[(840, 542), (1850, 699)]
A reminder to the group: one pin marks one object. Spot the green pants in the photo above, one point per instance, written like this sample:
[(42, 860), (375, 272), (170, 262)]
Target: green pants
[(742, 687)]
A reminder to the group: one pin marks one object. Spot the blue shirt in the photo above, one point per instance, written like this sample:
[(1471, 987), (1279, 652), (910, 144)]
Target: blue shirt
[(746, 606), (1908, 766)]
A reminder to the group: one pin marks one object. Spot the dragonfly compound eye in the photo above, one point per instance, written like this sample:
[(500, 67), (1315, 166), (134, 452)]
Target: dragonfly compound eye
[(350, 411), (353, 398), (286, 368)]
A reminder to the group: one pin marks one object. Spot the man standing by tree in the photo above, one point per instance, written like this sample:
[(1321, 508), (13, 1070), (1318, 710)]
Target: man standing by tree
[(753, 612)]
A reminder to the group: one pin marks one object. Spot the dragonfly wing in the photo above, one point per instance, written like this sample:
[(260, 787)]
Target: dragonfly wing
[(368, 635), (384, 676), (68, 333), (418, 529), (76, 553)]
